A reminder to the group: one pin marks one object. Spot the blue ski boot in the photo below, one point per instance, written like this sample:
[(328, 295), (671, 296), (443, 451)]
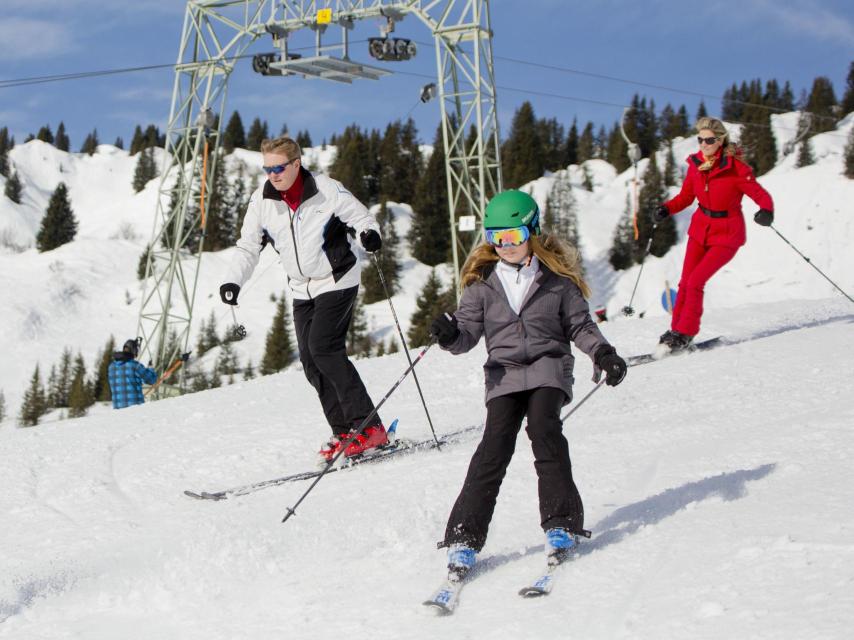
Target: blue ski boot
[(460, 559), (560, 543)]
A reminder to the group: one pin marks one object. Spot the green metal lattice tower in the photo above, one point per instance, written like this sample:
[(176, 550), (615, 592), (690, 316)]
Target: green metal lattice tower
[(216, 35)]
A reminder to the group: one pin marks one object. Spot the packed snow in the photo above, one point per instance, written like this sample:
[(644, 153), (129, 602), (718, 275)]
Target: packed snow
[(717, 485)]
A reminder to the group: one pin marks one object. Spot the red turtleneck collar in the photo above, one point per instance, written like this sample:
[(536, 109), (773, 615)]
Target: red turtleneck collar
[(293, 196)]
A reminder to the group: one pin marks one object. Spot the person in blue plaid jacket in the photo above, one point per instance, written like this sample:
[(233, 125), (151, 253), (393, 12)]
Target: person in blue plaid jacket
[(126, 376)]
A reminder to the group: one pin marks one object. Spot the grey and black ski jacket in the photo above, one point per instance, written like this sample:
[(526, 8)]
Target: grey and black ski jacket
[(529, 349)]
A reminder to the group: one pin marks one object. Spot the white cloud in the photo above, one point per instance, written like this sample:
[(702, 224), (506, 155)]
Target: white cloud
[(810, 18), (25, 38)]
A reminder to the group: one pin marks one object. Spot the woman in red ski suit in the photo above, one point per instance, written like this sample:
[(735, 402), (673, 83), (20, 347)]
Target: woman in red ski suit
[(717, 178)]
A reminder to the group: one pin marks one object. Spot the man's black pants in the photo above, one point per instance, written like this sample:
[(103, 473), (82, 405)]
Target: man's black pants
[(560, 504), (321, 326)]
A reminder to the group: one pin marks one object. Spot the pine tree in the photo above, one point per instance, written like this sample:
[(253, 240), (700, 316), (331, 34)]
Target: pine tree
[(429, 235), (701, 110), (221, 215), (45, 134), (304, 139), (551, 132), (352, 165), (585, 144), (142, 265), (239, 198), (849, 156), (248, 371), (14, 188), (101, 384), (146, 170), (208, 335), (258, 132), (34, 405), (80, 396), (119, 143), (137, 142), (587, 182), (670, 176), (234, 135), (58, 224), (62, 142), (278, 351), (620, 255), (430, 303), (570, 148), (757, 138), (805, 156), (847, 104), (560, 217), (90, 144), (58, 393), (522, 153), (387, 259), (652, 194), (226, 363), (7, 142), (617, 153), (821, 103), (359, 342)]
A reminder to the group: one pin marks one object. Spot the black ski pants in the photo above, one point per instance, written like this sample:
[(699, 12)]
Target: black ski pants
[(321, 326), (560, 504)]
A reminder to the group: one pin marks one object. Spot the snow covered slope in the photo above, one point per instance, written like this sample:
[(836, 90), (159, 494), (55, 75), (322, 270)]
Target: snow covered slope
[(717, 485)]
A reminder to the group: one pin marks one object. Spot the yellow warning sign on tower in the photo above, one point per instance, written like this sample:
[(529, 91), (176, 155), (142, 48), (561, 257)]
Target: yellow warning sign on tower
[(324, 16)]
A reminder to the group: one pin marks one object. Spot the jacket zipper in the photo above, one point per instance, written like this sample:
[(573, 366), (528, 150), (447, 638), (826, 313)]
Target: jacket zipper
[(296, 251)]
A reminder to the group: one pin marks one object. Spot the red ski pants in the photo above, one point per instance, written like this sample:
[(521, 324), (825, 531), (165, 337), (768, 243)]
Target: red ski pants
[(701, 263)]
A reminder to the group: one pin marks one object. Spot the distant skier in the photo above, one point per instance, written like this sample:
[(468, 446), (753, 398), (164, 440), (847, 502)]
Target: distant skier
[(126, 376), (717, 178), (309, 220), (525, 294)]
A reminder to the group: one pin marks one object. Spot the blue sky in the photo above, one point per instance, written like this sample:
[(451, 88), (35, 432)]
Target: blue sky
[(695, 48)]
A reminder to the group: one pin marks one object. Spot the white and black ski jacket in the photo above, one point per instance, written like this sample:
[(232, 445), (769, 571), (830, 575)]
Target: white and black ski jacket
[(316, 243)]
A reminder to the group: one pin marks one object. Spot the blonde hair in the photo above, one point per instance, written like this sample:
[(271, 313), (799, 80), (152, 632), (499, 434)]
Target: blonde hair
[(558, 255), (717, 127), (284, 145)]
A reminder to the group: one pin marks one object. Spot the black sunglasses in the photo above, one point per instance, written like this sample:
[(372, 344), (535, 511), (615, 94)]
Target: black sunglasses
[(711, 140), (277, 169)]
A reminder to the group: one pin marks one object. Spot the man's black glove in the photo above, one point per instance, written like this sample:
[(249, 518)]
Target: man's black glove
[(659, 215), (371, 240), (228, 292), (764, 217), (607, 361), (444, 327)]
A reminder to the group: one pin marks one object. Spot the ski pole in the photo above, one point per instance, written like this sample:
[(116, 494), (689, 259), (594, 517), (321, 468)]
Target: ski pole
[(238, 329), (353, 435), (583, 400), (809, 262), (628, 310), (405, 348)]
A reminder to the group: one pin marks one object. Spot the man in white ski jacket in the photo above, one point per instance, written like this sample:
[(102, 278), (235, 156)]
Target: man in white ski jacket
[(312, 222)]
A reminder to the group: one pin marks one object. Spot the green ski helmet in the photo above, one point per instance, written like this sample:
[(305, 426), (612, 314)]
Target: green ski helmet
[(512, 208)]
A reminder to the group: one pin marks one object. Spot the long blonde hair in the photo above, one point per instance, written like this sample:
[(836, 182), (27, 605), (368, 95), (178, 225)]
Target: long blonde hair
[(718, 128), (557, 254)]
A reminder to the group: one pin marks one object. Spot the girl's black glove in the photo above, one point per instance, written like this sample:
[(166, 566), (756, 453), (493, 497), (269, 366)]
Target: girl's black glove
[(445, 329), (607, 361)]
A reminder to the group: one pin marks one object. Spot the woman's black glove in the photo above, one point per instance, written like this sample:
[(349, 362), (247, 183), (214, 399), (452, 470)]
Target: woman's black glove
[(445, 329), (371, 240), (607, 361), (764, 217), (659, 215), (228, 292)]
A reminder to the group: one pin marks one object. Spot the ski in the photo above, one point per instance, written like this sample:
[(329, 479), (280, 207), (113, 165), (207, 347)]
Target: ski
[(542, 586), (703, 345), (445, 599), (379, 454)]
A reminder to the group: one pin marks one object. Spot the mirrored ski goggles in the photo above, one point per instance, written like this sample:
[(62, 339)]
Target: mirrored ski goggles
[(512, 237), (277, 169)]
